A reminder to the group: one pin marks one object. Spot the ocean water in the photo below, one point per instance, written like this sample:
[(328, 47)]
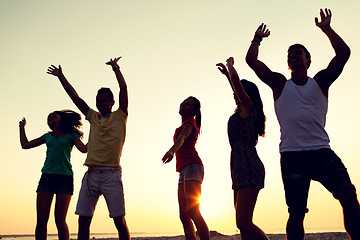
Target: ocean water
[(94, 235), (159, 234)]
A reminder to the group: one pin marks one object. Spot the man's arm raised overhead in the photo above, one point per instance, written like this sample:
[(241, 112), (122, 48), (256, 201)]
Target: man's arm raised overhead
[(123, 95), (274, 80)]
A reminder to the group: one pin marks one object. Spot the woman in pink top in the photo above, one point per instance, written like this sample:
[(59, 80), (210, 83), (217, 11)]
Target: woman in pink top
[(190, 168)]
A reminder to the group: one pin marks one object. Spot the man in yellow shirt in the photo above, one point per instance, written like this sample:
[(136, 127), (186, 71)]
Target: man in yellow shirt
[(106, 140)]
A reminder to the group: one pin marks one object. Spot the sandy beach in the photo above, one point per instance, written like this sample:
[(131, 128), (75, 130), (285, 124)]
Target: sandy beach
[(218, 236)]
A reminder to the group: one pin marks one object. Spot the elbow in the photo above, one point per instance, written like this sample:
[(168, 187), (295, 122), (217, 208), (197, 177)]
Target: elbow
[(347, 53), (250, 61), (24, 146), (84, 149)]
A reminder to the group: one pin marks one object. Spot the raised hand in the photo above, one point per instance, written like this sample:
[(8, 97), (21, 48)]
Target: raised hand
[(55, 71), (222, 69), (325, 18), (262, 32), (230, 61), (113, 62), (22, 123)]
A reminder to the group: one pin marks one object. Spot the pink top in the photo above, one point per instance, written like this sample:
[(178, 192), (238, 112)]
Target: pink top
[(187, 152)]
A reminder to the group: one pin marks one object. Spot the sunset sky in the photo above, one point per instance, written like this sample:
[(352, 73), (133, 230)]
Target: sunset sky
[(169, 51)]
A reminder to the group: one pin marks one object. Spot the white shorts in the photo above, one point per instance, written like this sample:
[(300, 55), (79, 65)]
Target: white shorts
[(99, 181)]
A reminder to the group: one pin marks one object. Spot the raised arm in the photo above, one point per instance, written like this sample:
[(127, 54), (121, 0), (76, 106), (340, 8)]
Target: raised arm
[(25, 143), (342, 52), (123, 95), (237, 87), (79, 102), (224, 71), (274, 80), (186, 131)]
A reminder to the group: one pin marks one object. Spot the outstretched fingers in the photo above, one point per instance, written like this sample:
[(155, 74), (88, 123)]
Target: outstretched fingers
[(113, 61), (262, 31), (325, 18), (22, 123), (53, 70), (222, 68)]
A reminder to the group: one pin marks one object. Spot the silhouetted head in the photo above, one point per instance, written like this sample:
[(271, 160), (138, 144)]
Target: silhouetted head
[(253, 92), (104, 101), (190, 107), (68, 121), (298, 55)]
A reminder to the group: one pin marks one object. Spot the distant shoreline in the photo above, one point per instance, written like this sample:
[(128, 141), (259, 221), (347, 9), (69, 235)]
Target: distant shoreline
[(213, 235)]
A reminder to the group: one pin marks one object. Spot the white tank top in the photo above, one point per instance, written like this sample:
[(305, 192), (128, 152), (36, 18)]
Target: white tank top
[(301, 112)]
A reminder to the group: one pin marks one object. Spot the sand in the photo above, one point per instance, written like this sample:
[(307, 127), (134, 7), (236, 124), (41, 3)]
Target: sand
[(218, 236)]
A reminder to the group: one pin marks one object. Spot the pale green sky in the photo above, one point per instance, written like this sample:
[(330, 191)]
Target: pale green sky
[(169, 50)]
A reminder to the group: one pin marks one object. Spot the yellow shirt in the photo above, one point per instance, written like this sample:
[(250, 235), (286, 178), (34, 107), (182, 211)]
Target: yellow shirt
[(106, 138)]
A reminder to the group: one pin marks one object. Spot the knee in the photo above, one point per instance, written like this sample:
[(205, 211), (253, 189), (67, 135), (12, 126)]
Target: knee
[(349, 199), (184, 216), (60, 222), (349, 195), (296, 218), (84, 222), (120, 222), (194, 213), (243, 224), (42, 221)]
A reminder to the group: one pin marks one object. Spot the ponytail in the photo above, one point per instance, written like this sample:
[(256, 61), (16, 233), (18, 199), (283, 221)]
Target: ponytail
[(197, 107)]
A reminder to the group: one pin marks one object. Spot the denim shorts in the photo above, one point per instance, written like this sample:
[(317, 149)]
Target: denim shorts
[(299, 168), (56, 183), (191, 171), (99, 181)]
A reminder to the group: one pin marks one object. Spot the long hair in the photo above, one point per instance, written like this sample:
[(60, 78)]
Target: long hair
[(70, 121), (253, 92), (197, 107)]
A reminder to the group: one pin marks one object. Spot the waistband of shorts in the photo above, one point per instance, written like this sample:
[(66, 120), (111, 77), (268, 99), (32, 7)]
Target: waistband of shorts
[(103, 168)]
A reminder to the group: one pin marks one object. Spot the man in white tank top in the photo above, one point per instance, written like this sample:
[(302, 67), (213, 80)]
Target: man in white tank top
[(301, 106)]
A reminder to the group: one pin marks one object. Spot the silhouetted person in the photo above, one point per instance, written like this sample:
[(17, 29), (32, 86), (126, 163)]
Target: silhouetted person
[(301, 105), (106, 140), (57, 174), (247, 170), (190, 168)]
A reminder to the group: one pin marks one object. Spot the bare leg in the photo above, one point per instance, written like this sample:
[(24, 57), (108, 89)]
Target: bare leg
[(43, 205), (84, 228), (245, 200), (192, 194), (351, 211), (122, 228), (188, 226), (61, 209)]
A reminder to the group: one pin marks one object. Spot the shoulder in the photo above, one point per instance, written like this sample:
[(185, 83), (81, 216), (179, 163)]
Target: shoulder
[(191, 123), (74, 135), (47, 135), (120, 113), (91, 113)]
